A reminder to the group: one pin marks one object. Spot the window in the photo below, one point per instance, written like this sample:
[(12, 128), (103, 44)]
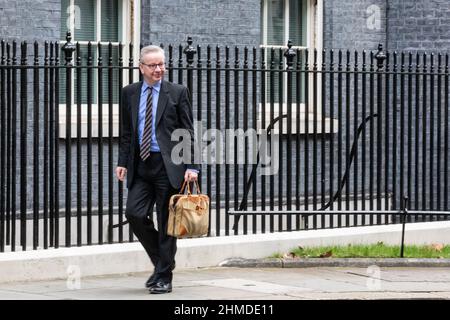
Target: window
[(104, 22), (301, 22), (283, 20)]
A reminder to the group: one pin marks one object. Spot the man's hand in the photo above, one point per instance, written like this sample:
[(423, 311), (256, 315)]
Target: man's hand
[(121, 172), (190, 175)]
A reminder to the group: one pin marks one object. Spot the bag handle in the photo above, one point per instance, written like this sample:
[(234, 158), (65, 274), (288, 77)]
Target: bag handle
[(198, 186), (187, 185), (183, 187)]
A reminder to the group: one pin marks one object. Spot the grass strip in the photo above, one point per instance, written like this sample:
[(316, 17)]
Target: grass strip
[(379, 250)]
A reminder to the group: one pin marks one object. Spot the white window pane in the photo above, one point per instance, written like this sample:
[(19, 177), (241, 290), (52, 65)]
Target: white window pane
[(275, 22), (297, 22), (84, 76), (110, 20), (85, 16), (114, 73), (65, 22)]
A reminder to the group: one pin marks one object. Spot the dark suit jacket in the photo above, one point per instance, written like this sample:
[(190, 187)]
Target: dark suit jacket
[(173, 112)]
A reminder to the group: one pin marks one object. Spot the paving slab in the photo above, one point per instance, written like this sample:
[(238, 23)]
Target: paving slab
[(413, 274), (252, 286), (247, 284), (366, 296), (18, 295)]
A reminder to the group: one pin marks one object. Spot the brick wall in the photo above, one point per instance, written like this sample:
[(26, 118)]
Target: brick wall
[(421, 25), (30, 20), (226, 22), (411, 25), (354, 24)]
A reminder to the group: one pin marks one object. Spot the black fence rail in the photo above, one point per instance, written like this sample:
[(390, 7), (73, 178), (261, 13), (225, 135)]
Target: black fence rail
[(349, 135)]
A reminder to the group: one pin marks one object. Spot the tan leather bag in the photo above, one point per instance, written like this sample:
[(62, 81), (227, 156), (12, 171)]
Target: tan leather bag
[(188, 213)]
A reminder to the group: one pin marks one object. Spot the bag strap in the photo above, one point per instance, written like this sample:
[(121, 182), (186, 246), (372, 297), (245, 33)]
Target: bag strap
[(187, 185), (198, 187), (183, 187)]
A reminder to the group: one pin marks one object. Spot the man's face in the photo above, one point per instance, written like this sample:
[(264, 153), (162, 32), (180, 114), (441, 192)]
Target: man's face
[(152, 67)]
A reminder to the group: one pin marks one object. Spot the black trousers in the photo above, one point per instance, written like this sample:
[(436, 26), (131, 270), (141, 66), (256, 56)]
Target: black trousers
[(152, 186)]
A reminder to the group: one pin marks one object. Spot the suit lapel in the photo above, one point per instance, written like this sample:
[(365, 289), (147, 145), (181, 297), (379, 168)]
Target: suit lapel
[(162, 102), (135, 106)]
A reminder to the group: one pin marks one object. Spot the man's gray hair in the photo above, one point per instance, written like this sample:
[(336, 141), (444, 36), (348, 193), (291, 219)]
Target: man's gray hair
[(150, 49)]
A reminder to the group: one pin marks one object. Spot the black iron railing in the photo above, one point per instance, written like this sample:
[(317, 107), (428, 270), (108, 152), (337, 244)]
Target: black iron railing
[(350, 135)]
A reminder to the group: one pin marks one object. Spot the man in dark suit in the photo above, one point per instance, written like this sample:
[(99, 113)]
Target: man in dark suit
[(151, 110)]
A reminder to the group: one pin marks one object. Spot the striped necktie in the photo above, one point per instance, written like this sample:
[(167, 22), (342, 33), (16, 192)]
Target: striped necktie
[(147, 134)]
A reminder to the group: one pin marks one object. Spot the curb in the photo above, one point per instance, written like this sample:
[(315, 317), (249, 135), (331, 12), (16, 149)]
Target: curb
[(334, 262), (61, 263)]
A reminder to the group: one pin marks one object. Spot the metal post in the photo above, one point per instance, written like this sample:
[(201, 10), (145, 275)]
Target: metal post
[(68, 49), (190, 51), (289, 54), (380, 57), (404, 213)]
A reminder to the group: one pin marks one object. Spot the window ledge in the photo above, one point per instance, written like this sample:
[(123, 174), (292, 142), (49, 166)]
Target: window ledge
[(302, 125), (301, 119), (62, 121)]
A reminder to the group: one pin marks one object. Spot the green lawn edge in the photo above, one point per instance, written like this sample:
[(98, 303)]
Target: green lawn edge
[(379, 250)]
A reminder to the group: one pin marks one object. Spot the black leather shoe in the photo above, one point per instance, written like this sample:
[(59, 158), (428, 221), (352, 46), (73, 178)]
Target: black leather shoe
[(161, 287), (151, 281)]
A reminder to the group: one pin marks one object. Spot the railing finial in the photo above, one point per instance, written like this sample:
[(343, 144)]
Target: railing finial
[(189, 51), (289, 54), (69, 48), (380, 56)]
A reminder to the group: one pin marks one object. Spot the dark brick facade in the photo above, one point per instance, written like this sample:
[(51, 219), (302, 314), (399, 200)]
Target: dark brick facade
[(422, 25), (226, 22), (30, 20), (403, 24), (348, 25)]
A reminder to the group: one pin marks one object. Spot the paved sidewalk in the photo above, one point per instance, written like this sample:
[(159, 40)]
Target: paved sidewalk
[(224, 283)]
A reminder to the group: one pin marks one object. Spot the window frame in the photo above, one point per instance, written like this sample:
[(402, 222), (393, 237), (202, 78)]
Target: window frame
[(314, 39), (130, 19), (286, 27)]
